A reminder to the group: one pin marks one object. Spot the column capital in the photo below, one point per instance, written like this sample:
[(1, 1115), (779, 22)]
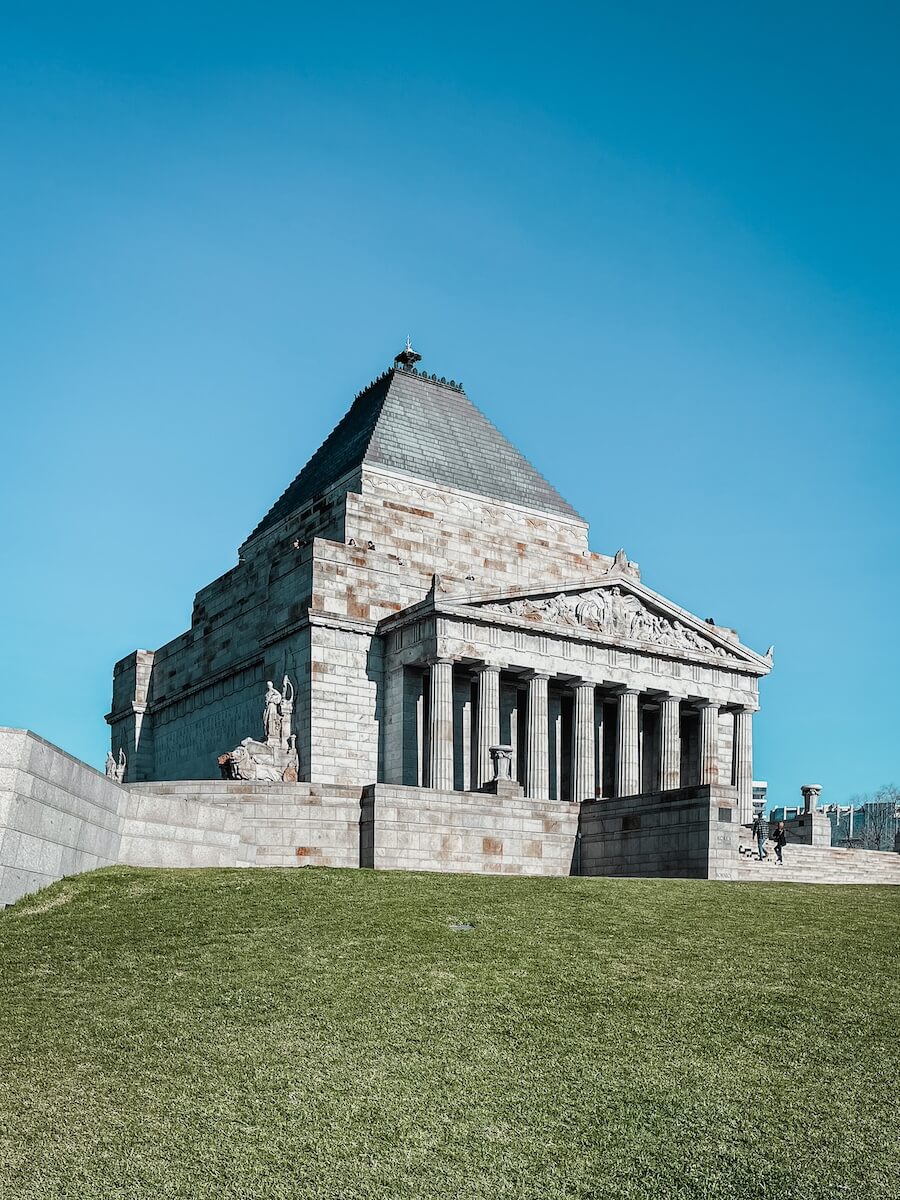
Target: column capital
[(582, 683), (435, 660), (701, 702), (480, 668), (529, 675), (622, 690)]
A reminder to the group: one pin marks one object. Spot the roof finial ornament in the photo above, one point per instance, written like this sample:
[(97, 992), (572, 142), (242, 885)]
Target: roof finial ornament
[(407, 357)]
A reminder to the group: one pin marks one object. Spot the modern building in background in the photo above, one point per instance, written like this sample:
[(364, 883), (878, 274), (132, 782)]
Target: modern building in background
[(760, 791)]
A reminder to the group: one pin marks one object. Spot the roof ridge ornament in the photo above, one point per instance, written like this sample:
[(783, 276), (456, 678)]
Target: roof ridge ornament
[(407, 357)]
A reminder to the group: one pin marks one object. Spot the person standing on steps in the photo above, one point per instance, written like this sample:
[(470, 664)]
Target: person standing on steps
[(780, 841), (759, 832)]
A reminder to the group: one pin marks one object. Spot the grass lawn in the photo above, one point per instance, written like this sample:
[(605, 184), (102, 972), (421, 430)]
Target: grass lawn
[(323, 1033)]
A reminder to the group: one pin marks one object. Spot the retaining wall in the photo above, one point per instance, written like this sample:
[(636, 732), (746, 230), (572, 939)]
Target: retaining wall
[(58, 816), (422, 829), (687, 833)]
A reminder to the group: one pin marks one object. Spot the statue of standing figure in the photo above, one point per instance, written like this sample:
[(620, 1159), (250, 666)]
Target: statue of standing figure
[(272, 714), (277, 714)]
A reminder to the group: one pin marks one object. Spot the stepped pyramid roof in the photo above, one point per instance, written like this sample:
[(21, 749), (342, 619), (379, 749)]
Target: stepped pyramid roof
[(427, 428)]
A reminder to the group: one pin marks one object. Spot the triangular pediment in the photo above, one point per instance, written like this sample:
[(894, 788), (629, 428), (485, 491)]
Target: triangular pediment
[(616, 607)]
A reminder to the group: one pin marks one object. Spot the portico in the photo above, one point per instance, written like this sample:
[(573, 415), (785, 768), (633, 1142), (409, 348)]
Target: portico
[(595, 704)]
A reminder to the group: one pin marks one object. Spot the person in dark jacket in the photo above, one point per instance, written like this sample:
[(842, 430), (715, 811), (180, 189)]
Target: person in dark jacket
[(759, 832), (780, 839)]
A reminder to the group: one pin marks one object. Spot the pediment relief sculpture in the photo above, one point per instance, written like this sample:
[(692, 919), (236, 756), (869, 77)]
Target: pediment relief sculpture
[(611, 611)]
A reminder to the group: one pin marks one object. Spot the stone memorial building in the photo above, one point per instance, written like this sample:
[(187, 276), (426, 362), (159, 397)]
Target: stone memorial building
[(430, 596), (417, 661)]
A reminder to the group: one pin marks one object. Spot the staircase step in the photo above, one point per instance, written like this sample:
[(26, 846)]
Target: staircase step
[(821, 864)]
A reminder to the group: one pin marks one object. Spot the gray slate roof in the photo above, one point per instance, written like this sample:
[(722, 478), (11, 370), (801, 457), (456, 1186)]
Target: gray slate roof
[(409, 423)]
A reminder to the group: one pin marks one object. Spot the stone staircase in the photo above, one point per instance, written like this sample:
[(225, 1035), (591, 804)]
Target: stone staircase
[(819, 864)]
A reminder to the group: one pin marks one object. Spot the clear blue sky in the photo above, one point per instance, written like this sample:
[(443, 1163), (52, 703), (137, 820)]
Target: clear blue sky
[(657, 242)]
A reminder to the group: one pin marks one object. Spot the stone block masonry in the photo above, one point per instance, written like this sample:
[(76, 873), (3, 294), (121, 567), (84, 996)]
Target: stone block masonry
[(421, 829), (264, 824), (688, 833), (60, 817)]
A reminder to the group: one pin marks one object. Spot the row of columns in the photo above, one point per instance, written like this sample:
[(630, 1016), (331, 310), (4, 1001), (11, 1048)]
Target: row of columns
[(537, 738)]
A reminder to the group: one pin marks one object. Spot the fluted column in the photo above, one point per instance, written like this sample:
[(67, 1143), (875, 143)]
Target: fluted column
[(537, 739), (709, 742), (669, 743), (584, 786), (742, 763), (627, 745), (440, 724), (487, 721)]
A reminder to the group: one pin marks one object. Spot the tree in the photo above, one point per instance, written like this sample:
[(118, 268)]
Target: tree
[(880, 825)]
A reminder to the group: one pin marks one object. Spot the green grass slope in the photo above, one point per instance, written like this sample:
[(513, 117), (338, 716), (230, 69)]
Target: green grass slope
[(327, 1034)]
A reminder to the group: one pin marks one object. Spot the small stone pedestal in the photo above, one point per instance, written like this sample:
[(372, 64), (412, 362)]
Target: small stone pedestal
[(506, 789), (812, 829)]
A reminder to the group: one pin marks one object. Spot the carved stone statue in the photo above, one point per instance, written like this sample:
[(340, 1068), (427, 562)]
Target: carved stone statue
[(251, 761), (286, 710), (811, 793), (612, 611), (115, 769), (272, 714), (275, 759)]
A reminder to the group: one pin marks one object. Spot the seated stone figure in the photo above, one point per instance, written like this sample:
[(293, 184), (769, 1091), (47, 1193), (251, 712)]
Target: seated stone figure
[(251, 761)]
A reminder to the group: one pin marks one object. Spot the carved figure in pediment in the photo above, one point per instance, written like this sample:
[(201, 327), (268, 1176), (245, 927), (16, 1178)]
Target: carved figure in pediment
[(628, 610), (592, 609), (560, 608), (612, 611), (644, 624)]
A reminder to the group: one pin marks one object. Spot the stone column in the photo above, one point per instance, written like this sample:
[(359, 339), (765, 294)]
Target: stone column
[(537, 739), (742, 763), (440, 724), (709, 742), (584, 786), (628, 745), (487, 722), (669, 743)]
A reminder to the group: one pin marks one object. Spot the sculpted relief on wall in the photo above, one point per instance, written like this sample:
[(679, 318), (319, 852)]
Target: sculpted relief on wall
[(612, 612)]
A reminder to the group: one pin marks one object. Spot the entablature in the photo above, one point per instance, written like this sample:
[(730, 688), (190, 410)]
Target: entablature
[(616, 612)]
